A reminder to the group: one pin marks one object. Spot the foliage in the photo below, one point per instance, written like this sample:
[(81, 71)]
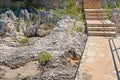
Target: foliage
[(79, 29), (14, 39), (70, 9), (28, 25), (38, 9), (25, 40), (44, 57), (17, 26), (109, 13), (33, 18), (118, 4), (17, 29)]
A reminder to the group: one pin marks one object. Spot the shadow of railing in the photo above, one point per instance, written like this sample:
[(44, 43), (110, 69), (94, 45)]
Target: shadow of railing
[(111, 42)]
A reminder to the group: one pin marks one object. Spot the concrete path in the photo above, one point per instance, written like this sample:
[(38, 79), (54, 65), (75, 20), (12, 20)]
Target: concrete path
[(100, 60)]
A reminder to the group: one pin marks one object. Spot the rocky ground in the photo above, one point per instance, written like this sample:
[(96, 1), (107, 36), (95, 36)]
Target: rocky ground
[(23, 38)]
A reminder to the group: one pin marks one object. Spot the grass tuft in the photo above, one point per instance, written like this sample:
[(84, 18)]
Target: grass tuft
[(44, 57)]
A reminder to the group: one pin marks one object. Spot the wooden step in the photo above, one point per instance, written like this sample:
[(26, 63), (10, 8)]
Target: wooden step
[(101, 28), (101, 33), (99, 23), (97, 20), (95, 14), (92, 4), (96, 17), (94, 10)]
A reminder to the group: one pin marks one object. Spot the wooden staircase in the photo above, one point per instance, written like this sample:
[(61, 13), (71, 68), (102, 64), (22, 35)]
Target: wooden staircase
[(97, 22)]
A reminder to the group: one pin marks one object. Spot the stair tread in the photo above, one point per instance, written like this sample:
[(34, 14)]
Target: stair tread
[(97, 16), (96, 13), (99, 22), (101, 28), (94, 9), (111, 32), (104, 27)]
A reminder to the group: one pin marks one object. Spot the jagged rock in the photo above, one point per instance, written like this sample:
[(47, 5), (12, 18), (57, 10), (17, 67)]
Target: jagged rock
[(11, 15), (41, 32), (3, 27), (24, 14), (71, 53), (31, 31), (4, 16), (45, 17), (7, 27), (44, 26), (41, 18)]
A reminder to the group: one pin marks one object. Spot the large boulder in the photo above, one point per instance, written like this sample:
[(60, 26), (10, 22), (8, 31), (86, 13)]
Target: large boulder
[(43, 30), (42, 26), (39, 31), (31, 31)]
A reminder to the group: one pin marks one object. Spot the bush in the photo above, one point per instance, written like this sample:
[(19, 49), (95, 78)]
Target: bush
[(25, 40), (14, 39), (79, 29), (44, 57), (33, 18), (70, 9), (17, 29)]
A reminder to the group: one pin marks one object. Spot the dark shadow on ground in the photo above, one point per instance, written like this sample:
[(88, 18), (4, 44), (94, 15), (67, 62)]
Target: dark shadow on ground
[(114, 51)]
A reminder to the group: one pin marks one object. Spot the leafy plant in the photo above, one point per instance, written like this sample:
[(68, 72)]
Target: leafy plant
[(17, 29), (44, 57), (70, 9), (79, 29), (14, 39), (25, 40), (38, 9), (33, 18)]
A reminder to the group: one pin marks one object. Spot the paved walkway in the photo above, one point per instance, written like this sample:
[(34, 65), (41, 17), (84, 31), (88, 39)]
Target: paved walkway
[(100, 61)]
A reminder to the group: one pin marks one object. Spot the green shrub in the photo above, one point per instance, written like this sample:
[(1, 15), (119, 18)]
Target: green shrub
[(25, 40), (70, 9), (72, 34), (38, 9), (17, 29), (109, 13), (33, 18), (44, 57), (28, 25), (14, 39), (79, 29)]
